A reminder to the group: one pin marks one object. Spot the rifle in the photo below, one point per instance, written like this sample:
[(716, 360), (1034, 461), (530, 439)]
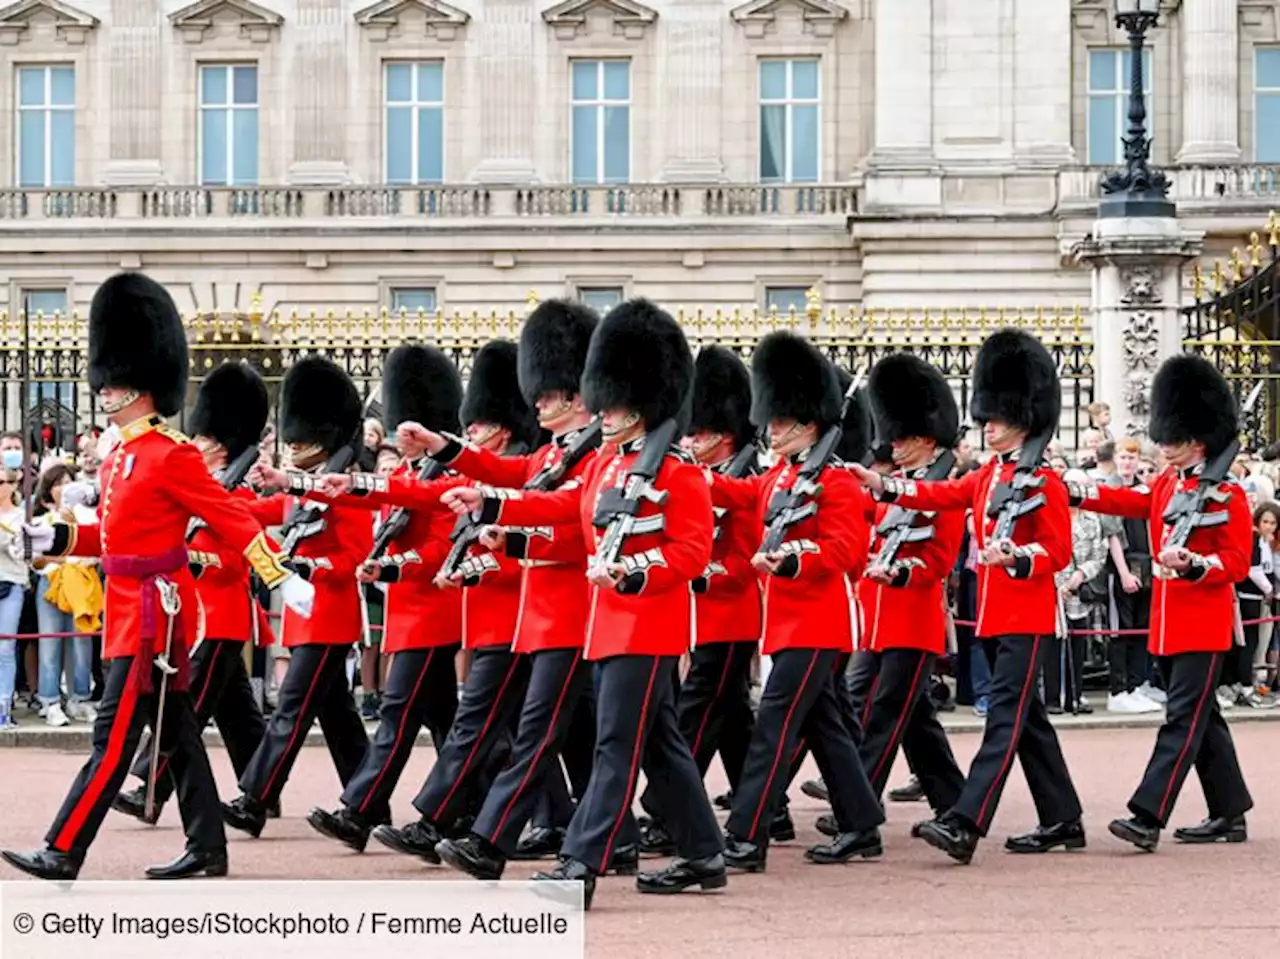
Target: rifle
[(230, 477), (617, 509), (466, 531), (898, 527), (1013, 500), (790, 506), (398, 518), (301, 521), (745, 463)]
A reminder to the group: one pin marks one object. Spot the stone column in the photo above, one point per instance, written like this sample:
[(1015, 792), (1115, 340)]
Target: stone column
[(1042, 83), (903, 137), (317, 80), (136, 67), (690, 59), (506, 84), (1210, 82), (1137, 321)]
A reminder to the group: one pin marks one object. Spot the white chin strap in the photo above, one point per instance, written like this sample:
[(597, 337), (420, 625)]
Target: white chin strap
[(298, 457), (112, 407), (785, 438), (551, 416), (485, 437), (631, 420)]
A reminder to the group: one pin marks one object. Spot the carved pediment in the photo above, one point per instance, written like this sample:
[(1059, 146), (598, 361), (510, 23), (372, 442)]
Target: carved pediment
[(759, 18), (249, 20), (575, 18), (406, 18), (69, 24)]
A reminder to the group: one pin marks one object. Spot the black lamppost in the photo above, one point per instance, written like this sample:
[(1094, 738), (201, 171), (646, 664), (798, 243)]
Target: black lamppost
[(1136, 190)]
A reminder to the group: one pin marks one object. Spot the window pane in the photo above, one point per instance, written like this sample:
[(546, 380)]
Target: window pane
[(245, 133), (804, 79), (617, 144), (804, 144), (31, 86), (399, 145), (431, 82), (413, 300), (773, 79), (584, 145), (1102, 70), (245, 80), (783, 298), (213, 85), (62, 148), (772, 142), (213, 147), (1268, 68), (600, 298), (31, 148), (399, 82), (584, 79), (45, 301), (63, 86), (1268, 126), (617, 80), (1104, 138), (430, 145)]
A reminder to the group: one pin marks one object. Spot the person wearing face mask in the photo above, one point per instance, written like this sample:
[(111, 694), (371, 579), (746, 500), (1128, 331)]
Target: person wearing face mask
[(1193, 606), (638, 375), (1016, 395), (13, 580), (155, 482)]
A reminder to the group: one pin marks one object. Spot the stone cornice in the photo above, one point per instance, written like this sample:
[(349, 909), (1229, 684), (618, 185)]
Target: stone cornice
[(382, 20), (256, 23), (757, 17), (630, 18), (71, 26)]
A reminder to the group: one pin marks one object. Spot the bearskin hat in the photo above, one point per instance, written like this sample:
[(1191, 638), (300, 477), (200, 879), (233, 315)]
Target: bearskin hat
[(1016, 382), (1192, 402), (231, 407), (857, 435), (493, 393), (553, 348), (910, 397), (319, 404), (420, 384), (722, 396), (791, 379), (639, 360), (136, 341)]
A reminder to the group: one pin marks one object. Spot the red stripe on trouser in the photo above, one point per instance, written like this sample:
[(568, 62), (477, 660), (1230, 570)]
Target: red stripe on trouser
[(866, 704), (542, 746), (782, 739), (1017, 731), (892, 744), (1191, 731), (112, 757), (633, 772), (488, 721), (297, 726), (206, 680), (711, 704), (404, 720)]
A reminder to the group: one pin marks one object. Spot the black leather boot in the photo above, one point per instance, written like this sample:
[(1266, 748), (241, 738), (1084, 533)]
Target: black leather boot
[(192, 863), (44, 864), (1068, 835), (708, 872)]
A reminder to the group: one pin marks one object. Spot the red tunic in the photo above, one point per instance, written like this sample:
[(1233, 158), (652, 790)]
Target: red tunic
[(226, 596), (657, 620), (727, 596), (1012, 600), (911, 613), (1188, 614), (814, 608)]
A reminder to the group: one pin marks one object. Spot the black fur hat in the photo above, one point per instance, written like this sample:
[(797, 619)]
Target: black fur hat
[(136, 341), (639, 360), (1192, 402), (553, 348), (857, 435), (231, 407), (722, 396), (493, 393), (1016, 382), (420, 384), (791, 379), (319, 404), (910, 397)]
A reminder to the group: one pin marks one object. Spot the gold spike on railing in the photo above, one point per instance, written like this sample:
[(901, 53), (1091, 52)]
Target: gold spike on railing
[(1197, 283), (1273, 230), (1219, 278), (1255, 251), (1236, 262)]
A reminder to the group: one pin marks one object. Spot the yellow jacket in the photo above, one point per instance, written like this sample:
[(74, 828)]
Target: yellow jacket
[(77, 590)]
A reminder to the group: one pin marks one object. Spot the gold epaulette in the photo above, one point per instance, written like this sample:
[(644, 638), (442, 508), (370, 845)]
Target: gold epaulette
[(168, 432)]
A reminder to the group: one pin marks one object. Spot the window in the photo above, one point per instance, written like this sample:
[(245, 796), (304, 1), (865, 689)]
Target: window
[(1266, 116), (229, 125), (783, 298), (601, 121), (46, 126), (414, 94), (47, 304), (602, 299), (413, 300), (789, 121), (1109, 103)]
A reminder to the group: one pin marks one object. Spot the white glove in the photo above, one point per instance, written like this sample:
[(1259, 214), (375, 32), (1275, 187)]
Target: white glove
[(79, 494), (41, 539), (298, 595)]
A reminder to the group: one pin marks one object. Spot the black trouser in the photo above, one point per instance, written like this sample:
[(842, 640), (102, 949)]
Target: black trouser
[(122, 714), (1240, 669), (1194, 732), (314, 688), (800, 701), (636, 728), (893, 688), (842, 689), (967, 643), (481, 729), (1127, 654), (556, 804), (220, 690), (719, 678), (1064, 667), (1017, 724), (421, 690), (557, 680)]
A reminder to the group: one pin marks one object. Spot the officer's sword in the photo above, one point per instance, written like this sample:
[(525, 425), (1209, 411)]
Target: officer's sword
[(171, 604)]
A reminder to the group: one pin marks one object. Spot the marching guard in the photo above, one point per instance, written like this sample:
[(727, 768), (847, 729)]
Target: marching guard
[(1023, 530), (154, 482), (1202, 527)]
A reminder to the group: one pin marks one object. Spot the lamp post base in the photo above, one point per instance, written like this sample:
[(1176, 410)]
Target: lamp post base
[(1118, 205)]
